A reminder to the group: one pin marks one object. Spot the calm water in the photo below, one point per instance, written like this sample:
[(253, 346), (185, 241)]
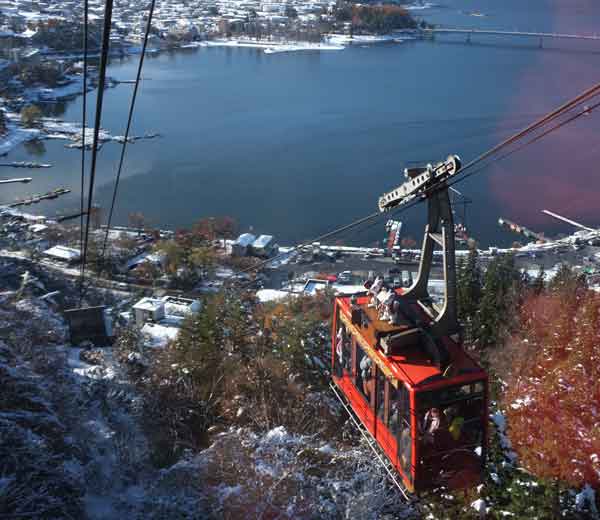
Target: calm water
[(296, 144)]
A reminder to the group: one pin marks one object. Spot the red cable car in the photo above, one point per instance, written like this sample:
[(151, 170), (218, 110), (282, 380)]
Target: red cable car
[(398, 362)]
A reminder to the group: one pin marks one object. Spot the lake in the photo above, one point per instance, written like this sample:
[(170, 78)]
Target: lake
[(296, 144)]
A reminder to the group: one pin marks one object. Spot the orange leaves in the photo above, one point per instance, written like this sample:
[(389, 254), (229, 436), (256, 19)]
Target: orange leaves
[(553, 392)]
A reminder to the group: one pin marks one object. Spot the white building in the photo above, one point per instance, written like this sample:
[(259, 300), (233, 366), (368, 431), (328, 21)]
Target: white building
[(148, 309), (158, 259), (313, 285), (177, 309), (176, 306), (241, 246), (168, 310), (64, 254), (263, 245)]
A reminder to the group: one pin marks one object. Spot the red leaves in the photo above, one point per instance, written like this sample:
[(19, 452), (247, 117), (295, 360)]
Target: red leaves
[(553, 388)]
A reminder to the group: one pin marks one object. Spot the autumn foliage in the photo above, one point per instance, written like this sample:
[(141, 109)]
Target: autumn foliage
[(552, 394), (376, 18), (383, 18)]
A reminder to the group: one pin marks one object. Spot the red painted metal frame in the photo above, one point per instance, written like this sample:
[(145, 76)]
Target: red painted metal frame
[(368, 416)]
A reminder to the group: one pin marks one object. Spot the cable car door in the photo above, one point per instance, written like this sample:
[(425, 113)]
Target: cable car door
[(385, 408), (364, 406)]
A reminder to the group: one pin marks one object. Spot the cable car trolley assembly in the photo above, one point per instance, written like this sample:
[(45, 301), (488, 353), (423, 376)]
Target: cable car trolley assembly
[(398, 362)]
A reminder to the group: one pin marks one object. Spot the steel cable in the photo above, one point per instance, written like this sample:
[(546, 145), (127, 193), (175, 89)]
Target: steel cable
[(98, 118), (129, 119), (83, 117)]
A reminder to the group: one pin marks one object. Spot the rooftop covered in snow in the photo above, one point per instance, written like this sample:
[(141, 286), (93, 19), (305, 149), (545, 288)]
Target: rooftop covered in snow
[(66, 254)]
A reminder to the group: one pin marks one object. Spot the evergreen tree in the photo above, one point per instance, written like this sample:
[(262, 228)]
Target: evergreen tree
[(568, 283), (469, 290), (503, 290), (539, 284)]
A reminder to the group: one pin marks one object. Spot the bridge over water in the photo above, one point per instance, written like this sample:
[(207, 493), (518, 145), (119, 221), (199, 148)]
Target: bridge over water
[(540, 35)]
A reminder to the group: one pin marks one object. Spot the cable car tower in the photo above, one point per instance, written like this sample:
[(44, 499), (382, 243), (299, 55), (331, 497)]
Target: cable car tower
[(430, 182), (398, 365)]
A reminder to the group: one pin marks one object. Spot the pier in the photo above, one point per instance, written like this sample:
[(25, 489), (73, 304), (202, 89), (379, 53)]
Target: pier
[(26, 164), (39, 198)]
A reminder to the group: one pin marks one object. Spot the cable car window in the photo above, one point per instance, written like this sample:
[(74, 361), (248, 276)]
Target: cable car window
[(365, 382), (354, 358), (347, 353), (380, 403), (447, 396), (478, 387), (358, 356), (394, 416), (452, 418), (343, 351), (338, 354), (404, 431)]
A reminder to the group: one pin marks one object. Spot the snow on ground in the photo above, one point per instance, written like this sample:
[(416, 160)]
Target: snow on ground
[(500, 422), (57, 129), (224, 272), (479, 506), (83, 369), (282, 475), (158, 335), (522, 403), (73, 88), (54, 128), (363, 39), (82, 453), (299, 47), (420, 6), (75, 419), (586, 499), (271, 47), (270, 295), (16, 136)]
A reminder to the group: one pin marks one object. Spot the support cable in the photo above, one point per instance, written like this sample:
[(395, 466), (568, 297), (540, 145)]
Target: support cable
[(325, 236), (98, 118), (83, 117), (586, 111), (581, 98), (129, 119)]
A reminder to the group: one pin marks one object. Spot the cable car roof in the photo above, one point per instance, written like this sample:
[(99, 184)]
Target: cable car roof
[(413, 364)]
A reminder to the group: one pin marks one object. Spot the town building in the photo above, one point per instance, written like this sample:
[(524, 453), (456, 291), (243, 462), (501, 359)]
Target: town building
[(241, 247), (158, 259), (148, 309), (263, 246), (160, 319), (63, 254)]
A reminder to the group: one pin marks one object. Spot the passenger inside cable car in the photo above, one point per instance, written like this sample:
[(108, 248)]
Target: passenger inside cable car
[(452, 436)]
